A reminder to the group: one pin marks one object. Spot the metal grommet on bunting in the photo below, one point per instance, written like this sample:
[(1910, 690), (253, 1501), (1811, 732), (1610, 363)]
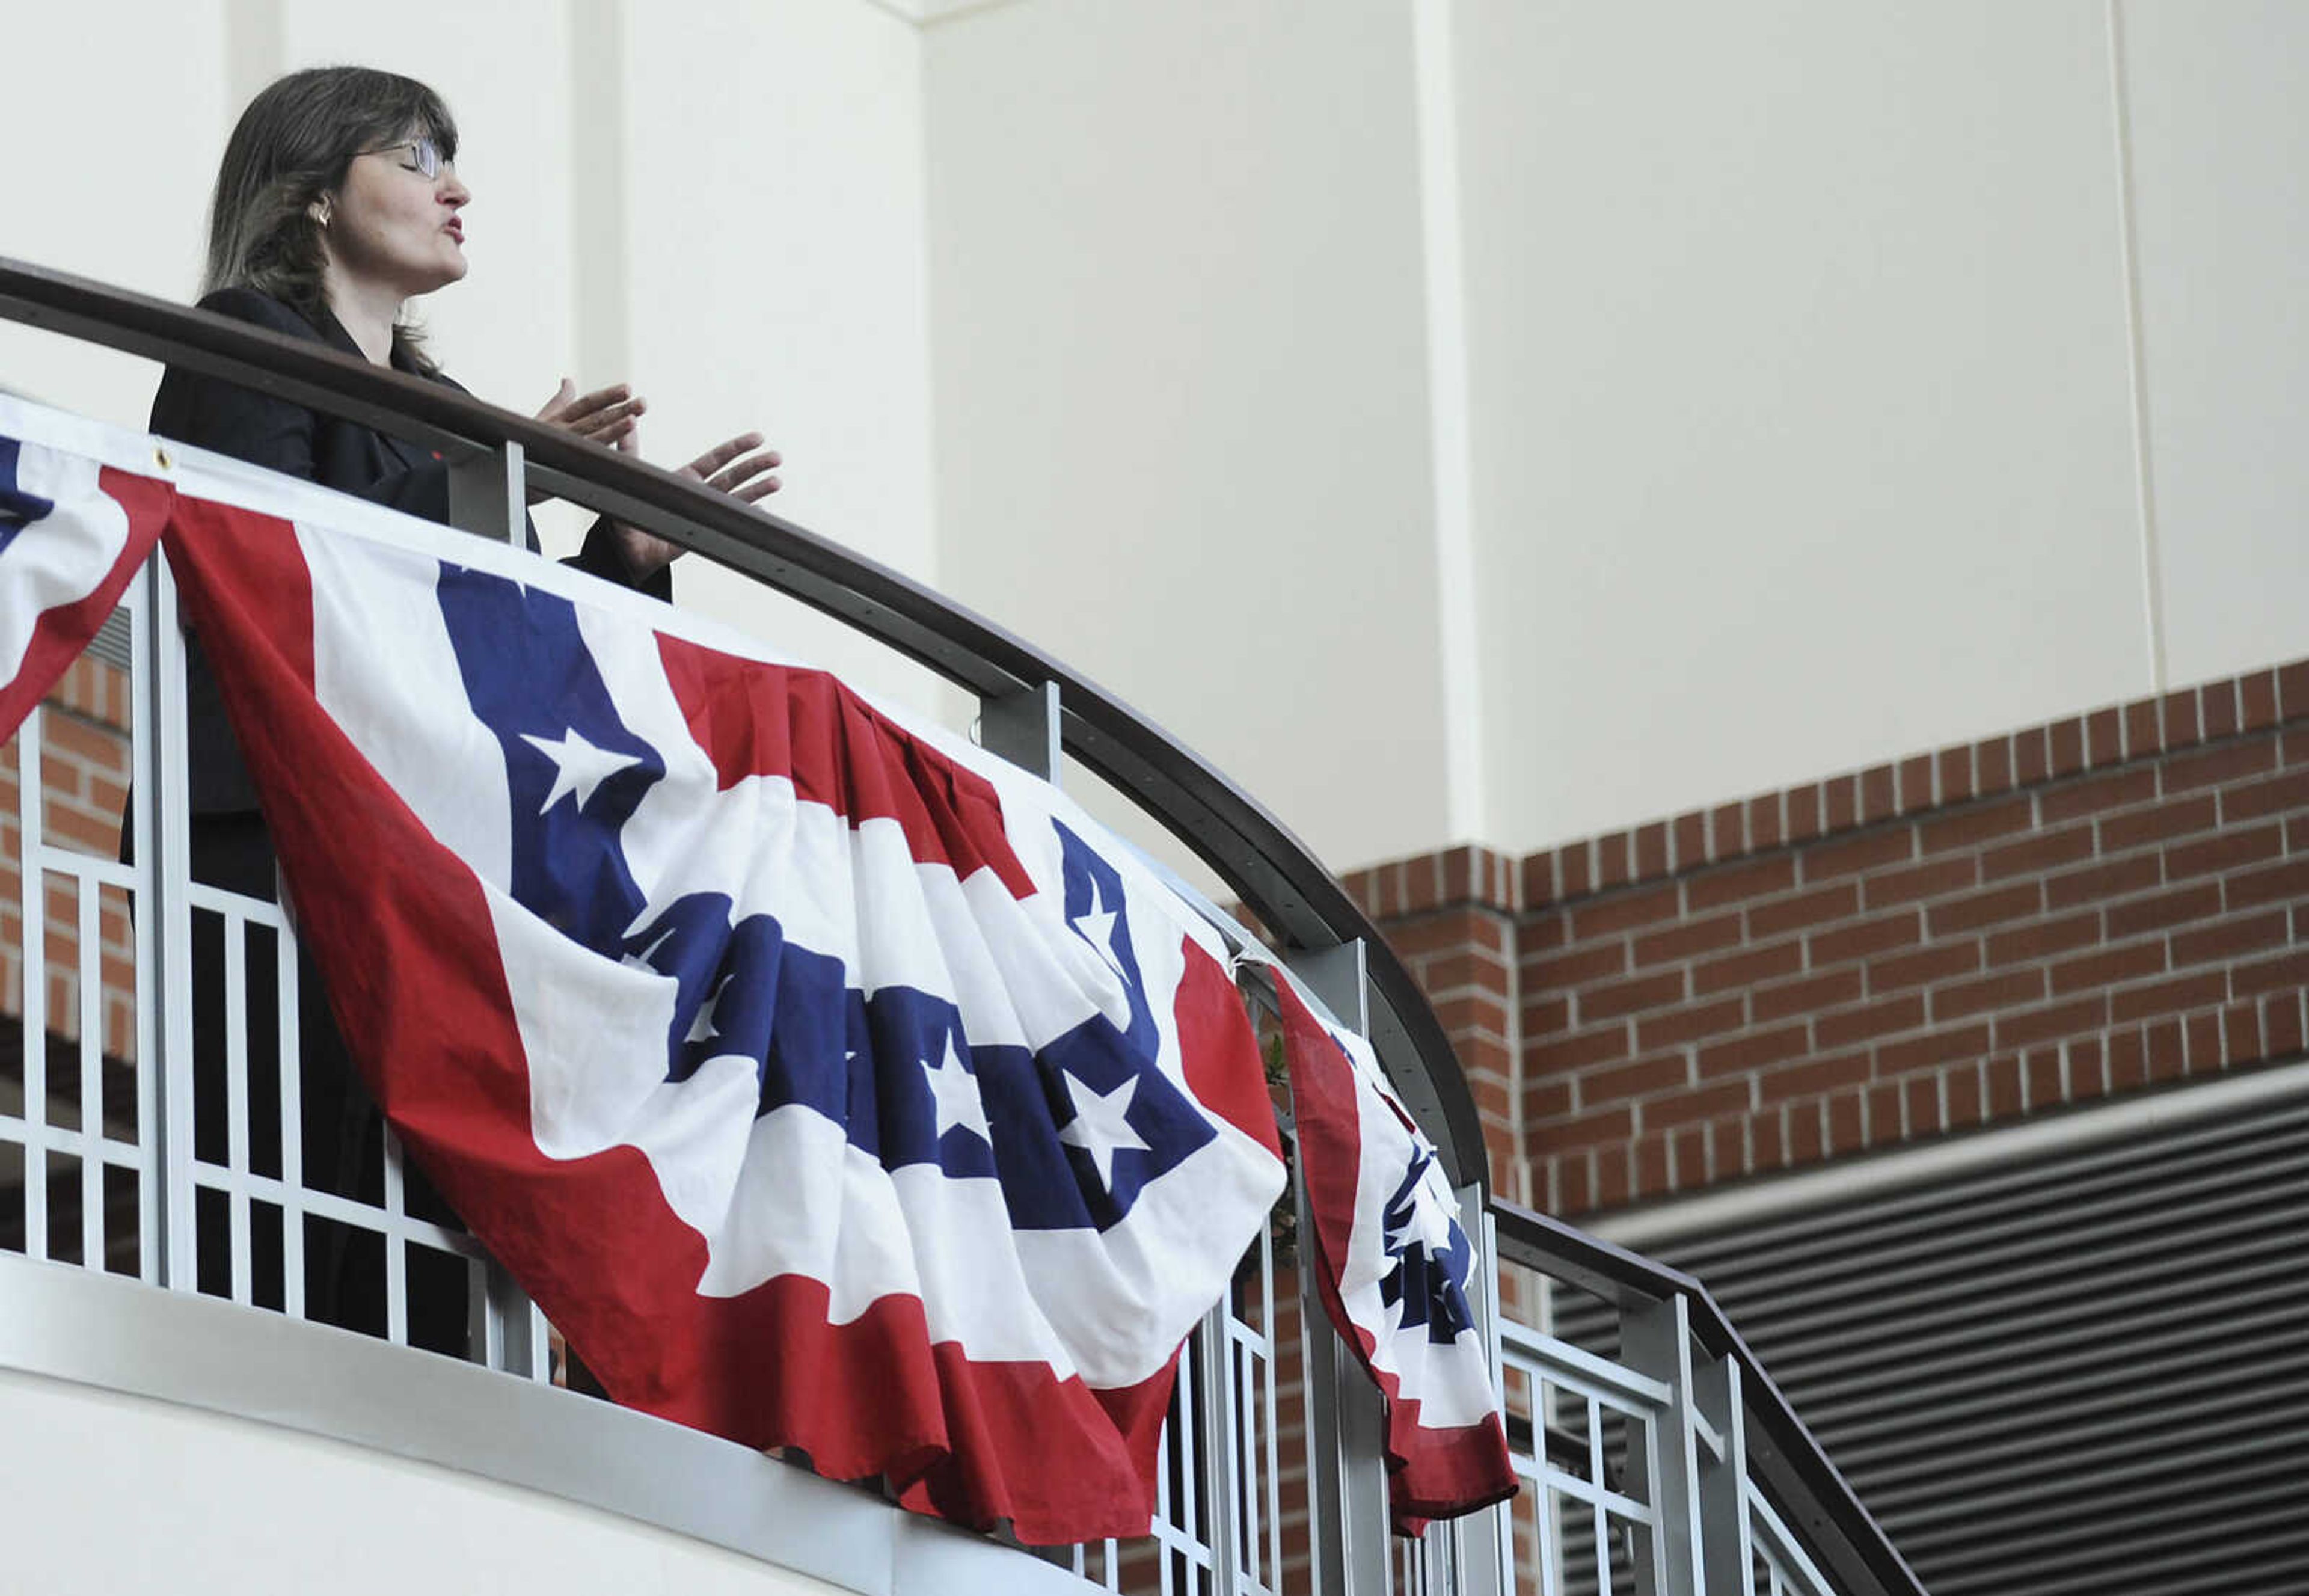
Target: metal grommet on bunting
[(160, 458)]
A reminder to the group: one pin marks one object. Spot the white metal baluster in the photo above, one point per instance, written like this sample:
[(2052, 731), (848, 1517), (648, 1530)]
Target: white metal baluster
[(1550, 1553), (1602, 1519), (91, 1074), (32, 887), (484, 1338), (540, 1351), (509, 1325), (289, 1052), (1266, 1349), (1172, 1513), (1657, 1342), (144, 914), (1242, 1466), (1270, 1409), (1727, 1561), (1347, 1511), (171, 902), (396, 1277), (1210, 1440), (1474, 1548), (236, 1099)]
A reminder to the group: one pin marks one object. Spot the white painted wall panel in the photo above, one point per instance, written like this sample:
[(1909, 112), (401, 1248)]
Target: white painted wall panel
[(101, 1493), (1800, 429), (1180, 382), (774, 230), (507, 331), (117, 111), (2219, 100)]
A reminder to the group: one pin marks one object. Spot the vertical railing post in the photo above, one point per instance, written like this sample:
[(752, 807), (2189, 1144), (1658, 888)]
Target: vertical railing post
[(32, 887), (1347, 1476), (1656, 1340), (144, 914), (503, 1330), (1479, 1540), (163, 783), (489, 494), (489, 497), (1023, 727), (1727, 1559), (1221, 1452)]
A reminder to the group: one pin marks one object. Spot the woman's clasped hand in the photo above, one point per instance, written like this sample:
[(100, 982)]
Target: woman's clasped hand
[(613, 416)]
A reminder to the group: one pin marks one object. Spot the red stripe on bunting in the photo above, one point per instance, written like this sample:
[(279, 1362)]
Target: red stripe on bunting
[(1432, 1473), (61, 634), (1224, 1071), (757, 719)]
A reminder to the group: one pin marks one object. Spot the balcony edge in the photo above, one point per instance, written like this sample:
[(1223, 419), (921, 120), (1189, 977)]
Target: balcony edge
[(116, 1334)]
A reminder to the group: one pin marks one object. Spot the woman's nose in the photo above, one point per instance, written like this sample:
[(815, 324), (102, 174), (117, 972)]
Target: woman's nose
[(452, 191)]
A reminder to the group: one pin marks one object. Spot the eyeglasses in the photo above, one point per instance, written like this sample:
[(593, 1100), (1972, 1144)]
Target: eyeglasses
[(424, 154)]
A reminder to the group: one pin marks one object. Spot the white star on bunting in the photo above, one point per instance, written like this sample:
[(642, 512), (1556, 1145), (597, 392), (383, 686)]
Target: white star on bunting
[(1096, 927), (646, 959), (956, 1090), (703, 1028), (1099, 1127), (578, 766), (1391, 1323), (1430, 1221)]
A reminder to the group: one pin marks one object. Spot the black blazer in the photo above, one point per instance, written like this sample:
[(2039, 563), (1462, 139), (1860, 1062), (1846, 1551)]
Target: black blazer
[(286, 437)]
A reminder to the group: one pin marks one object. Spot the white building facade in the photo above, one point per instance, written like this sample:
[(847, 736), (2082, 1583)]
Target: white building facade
[(1460, 420)]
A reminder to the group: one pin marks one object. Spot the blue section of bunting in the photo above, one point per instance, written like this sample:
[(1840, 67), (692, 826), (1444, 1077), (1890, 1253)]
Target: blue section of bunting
[(1073, 1133), (18, 509), (1426, 1286)]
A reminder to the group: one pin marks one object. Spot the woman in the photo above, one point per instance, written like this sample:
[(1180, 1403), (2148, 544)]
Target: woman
[(337, 201)]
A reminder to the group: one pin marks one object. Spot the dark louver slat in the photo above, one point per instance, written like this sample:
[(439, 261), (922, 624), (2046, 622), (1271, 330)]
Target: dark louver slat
[(1889, 1219), (2085, 1373), (2114, 1395), (1986, 1259)]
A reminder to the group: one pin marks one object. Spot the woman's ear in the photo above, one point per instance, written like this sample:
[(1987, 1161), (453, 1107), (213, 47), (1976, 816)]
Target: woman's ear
[(319, 210)]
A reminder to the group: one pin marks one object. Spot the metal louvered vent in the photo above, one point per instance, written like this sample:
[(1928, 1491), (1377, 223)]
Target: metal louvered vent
[(113, 642), (2087, 1373)]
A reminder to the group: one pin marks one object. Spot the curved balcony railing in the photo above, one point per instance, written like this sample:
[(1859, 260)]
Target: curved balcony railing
[(1682, 1449), (1692, 1473), (1270, 871)]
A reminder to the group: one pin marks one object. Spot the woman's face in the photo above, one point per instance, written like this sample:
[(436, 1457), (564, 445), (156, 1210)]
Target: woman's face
[(391, 226)]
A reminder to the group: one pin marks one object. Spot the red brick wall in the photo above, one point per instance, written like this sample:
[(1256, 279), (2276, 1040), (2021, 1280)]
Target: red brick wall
[(84, 774), (1451, 917), (1978, 933)]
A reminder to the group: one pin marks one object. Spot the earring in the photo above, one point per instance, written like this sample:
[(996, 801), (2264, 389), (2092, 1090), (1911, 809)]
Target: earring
[(321, 215)]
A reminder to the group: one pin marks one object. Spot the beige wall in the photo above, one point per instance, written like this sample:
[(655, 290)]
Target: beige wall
[(2219, 101), (103, 193), (773, 227), (1802, 432), (1181, 381)]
